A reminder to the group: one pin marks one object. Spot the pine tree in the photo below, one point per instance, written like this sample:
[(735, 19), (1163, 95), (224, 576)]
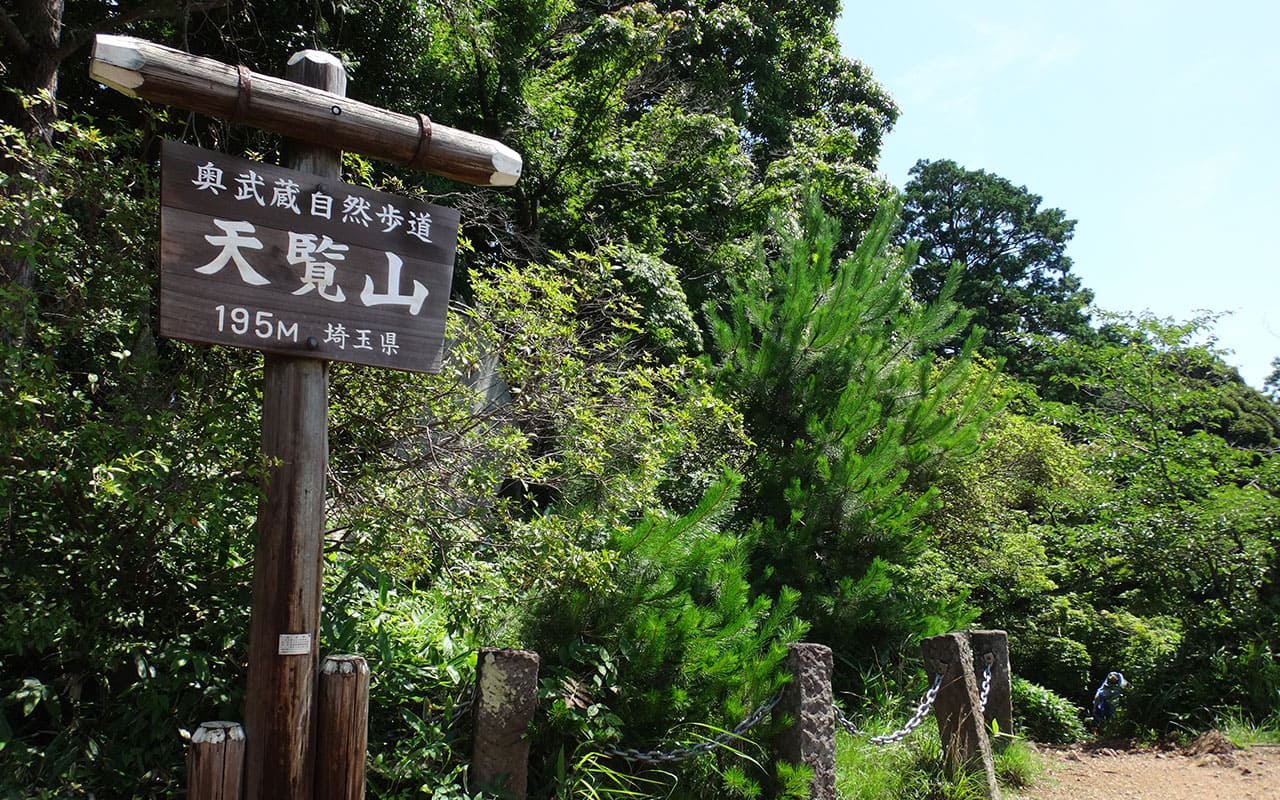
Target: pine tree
[(669, 648), (828, 361)]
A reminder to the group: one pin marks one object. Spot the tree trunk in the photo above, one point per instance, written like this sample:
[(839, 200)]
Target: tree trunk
[(32, 37), (33, 34)]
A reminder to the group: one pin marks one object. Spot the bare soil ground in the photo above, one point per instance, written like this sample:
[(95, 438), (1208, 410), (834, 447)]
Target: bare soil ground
[(1211, 768)]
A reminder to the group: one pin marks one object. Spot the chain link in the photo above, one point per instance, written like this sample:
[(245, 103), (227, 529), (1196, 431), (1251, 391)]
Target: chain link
[(756, 717), (847, 723), (986, 684), (701, 748), (922, 711)]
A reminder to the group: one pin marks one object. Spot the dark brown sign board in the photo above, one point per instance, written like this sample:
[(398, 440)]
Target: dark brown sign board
[(267, 258)]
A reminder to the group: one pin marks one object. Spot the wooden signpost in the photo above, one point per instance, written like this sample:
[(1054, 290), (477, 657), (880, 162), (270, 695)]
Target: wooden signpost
[(290, 263), (307, 269)]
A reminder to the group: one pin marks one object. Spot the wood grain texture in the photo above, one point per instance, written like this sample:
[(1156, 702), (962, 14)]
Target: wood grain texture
[(288, 561), (281, 313), (279, 712), (172, 77), (215, 762), (342, 731)]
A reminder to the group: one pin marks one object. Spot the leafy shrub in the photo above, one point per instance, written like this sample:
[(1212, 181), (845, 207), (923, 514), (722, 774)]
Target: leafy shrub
[(1057, 662), (1044, 716), (1205, 680), (127, 488), (1134, 645), (670, 650)]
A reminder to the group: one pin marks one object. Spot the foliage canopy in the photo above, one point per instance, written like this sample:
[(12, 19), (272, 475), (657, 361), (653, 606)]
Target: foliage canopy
[(710, 387)]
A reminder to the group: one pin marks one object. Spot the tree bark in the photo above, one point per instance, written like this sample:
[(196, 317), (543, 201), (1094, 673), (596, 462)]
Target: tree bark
[(33, 35), (35, 42)]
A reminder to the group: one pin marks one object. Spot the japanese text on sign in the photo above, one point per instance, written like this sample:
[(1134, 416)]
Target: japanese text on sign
[(258, 256)]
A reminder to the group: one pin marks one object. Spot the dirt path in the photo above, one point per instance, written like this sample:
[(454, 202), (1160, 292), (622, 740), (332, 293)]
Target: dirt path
[(1210, 769)]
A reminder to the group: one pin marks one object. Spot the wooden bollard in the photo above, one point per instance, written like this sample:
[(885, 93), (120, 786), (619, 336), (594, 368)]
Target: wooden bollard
[(215, 762), (342, 728), (999, 708), (506, 699), (965, 745), (811, 738)]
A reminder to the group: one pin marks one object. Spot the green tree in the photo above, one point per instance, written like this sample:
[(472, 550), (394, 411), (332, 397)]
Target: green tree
[(568, 418), (994, 505), (555, 488), (668, 648), (1017, 281), (828, 361), (644, 127), (1183, 540), (39, 35), (127, 491), (130, 488), (1271, 385)]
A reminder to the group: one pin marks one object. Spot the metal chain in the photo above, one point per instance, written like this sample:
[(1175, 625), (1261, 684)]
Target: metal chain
[(701, 748), (922, 711), (986, 683), (460, 710), (847, 723), (448, 720)]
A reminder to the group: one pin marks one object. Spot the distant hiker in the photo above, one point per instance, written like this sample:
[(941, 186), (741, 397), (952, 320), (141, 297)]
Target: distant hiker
[(1104, 700)]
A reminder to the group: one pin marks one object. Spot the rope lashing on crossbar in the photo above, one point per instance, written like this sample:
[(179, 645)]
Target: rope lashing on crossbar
[(244, 91), (424, 142)]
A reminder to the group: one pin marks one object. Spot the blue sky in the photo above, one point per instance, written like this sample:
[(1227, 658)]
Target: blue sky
[(1155, 125)]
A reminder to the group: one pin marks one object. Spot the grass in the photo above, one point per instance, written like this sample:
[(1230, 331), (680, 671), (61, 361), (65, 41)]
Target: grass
[(1244, 732), (912, 769), (1018, 765)]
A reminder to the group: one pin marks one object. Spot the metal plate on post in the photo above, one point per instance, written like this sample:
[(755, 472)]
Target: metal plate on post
[(266, 258)]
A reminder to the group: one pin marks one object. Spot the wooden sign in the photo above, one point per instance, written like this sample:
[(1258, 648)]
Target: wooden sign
[(266, 258)]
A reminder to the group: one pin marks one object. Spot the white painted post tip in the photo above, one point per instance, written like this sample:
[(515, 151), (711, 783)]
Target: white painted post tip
[(318, 56), (507, 165), (119, 51), (116, 63), (217, 732), (343, 665)]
